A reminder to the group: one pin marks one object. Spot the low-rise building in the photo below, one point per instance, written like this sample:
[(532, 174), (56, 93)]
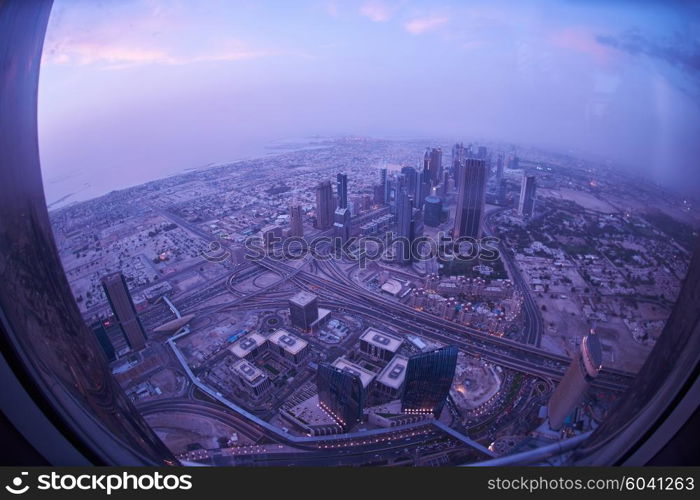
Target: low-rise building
[(251, 379), (378, 344), (249, 346), (289, 346)]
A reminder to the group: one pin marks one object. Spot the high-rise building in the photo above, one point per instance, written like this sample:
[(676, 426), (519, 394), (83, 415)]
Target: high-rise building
[(428, 380), (341, 218), (124, 311), (341, 394), (380, 190), (410, 180), (341, 225), (416, 224), (325, 205), (432, 211), (526, 206), (499, 169), (384, 182), (458, 157), (482, 152), (435, 166), (423, 190), (445, 186), (296, 225), (404, 214), (471, 187), (342, 188), (303, 310), (584, 367)]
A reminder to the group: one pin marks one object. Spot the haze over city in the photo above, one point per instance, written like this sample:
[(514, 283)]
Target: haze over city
[(132, 91)]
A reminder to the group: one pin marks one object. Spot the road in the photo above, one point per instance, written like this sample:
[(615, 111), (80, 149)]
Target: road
[(512, 354)]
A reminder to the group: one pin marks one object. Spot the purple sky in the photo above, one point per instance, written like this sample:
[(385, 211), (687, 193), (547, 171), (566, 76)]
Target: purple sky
[(133, 90)]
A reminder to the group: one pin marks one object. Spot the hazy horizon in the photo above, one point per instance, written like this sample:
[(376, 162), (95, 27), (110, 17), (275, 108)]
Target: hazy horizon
[(132, 91)]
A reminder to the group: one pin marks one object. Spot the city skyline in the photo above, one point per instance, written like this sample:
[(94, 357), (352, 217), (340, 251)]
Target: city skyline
[(245, 76)]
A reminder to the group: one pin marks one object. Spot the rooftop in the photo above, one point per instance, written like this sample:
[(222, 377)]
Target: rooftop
[(365, 375), (394, 373), (303, 299), (241, 347), (382, 339), (248, 372), (290, 343)]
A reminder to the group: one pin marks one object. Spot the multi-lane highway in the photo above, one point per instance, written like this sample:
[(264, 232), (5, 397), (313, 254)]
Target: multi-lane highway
[(534, 324)]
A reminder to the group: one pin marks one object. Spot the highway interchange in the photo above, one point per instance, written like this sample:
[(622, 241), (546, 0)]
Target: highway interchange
[(338, 292)]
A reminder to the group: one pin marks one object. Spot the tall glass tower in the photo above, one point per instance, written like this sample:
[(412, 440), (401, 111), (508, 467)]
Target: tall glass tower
[(428, 380), (123, 308), (526, 206), (471, 187), (340, 394)]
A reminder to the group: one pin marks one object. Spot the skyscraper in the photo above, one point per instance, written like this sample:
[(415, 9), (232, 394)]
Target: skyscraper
[(123, 308), (381, 195), (404, 215), (471, 186), (341, 218), (428, 380), (526, 206), (445, 186), (410, 180), (424, 185), (584, 367), (295, 221), (341, 394), (458, 157), (342, 188), (435, 166), (384, 179), (324, 205), (499, 168), (341, 226), (303, 310)]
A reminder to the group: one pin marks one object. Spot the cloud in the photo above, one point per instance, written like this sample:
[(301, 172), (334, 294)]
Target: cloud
[(143, 32), (421, 25), (579, 39), (119, 56), (677, 51), (377, 11)]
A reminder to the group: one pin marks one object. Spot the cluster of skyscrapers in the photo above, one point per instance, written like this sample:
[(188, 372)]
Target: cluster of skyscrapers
[(417, 197)]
